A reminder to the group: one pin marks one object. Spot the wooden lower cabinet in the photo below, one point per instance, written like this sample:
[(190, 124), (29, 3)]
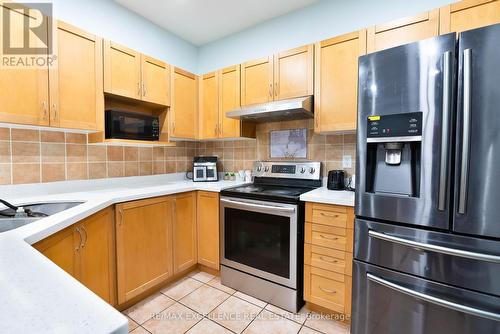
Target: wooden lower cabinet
[(86, 251), (208, 228), (328, 256), (184, 231)]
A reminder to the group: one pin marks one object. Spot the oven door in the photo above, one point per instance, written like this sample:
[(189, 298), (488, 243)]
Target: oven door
[(259, 238), (199, 173)]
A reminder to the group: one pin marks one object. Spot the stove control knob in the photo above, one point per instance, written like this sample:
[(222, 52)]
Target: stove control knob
[(266, 169), (302, 170), (259, 168), (312, 170)]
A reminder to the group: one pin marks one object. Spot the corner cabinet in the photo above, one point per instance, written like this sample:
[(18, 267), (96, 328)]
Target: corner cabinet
[(470, 14), (403, 31), (130, 74), (208, 228), (336, 87), (183, 114), (143, 245), (86, 251), (284, 75), (184, 231)]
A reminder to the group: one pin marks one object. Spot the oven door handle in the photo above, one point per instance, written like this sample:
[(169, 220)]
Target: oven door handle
[(259, 206), (434, 300)]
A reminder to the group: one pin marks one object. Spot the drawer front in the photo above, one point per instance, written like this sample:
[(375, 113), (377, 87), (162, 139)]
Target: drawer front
[(330, 215), (327, 289), (327, 237), (328, 259)]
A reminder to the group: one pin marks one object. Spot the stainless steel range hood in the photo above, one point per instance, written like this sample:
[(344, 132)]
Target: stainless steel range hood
[(283, 110)]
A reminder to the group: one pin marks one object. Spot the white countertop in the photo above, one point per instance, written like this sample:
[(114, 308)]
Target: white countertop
[(39, 297), (326, 196)]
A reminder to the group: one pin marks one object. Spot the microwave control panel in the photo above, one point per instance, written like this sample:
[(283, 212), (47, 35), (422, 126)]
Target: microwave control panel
[(397, 125)]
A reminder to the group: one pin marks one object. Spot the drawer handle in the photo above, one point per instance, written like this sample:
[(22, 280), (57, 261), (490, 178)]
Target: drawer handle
[(330, 292), (328, 215), (328, 259), (327, 237)]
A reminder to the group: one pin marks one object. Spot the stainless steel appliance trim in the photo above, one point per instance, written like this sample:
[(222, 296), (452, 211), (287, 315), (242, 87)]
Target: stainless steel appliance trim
[(432, 299), (435, 248), (393, 139), (228, 202), (264, 169), (464, 166), (258, 206), (445, 133), (295, 108)]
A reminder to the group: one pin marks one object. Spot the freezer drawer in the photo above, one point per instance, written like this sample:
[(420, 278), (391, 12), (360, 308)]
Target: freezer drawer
[(466, 262), (388, 302)]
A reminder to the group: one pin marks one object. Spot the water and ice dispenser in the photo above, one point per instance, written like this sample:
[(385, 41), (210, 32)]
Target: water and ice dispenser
[(394, 144)]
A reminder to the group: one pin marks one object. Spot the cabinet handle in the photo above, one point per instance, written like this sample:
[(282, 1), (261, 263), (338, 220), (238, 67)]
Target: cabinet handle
[(139, 91), (271, 90), (144, 89), (327, 237), (328, 215), (328, 259), (45, 109), (331, 292), (216, 128), (220, 129), (86, 236), (276, 89), (121, 217), (54, 109), (316, 121), (81, 239), (173, 128)]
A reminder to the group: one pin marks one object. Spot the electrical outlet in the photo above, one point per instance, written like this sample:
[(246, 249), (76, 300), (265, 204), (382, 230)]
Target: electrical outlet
[(346, 161)]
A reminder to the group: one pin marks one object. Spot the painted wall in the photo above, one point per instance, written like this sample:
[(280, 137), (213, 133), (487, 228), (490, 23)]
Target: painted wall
[(326, 19), (110, 20)]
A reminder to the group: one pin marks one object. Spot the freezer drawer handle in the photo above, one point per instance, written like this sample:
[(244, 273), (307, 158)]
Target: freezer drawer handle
[(464, 166), (435, 248), (445, 133), (259, 206), (434, 300)]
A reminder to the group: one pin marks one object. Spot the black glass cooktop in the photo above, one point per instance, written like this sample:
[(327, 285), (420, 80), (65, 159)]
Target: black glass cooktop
[(269, 192)]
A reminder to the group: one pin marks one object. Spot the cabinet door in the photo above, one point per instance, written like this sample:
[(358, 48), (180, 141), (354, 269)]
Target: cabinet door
[(209, 106), (62, 248), (229, 99), (185, 254), (122, 71), (76, 92), (257, 81), (293, 73), (184, 111), (335, 98), (143, 245), (24, 91), (403, 31), (469, 14), (155, 81), (97, 255), (208, 228)]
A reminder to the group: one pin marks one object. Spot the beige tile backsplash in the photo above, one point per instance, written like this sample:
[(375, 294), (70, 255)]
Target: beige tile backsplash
[(32, 156)]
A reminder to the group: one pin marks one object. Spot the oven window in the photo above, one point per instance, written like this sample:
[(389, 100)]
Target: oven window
[(258, 240)]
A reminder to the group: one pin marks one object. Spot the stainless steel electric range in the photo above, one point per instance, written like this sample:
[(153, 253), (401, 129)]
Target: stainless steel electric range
[(262, 232)]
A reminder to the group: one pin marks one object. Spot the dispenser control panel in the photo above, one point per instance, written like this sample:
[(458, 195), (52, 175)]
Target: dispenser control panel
[(397, 125)]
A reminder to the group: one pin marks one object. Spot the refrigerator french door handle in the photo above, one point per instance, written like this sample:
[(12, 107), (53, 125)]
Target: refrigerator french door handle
[(445, 132), (464, 166), (435, 248), (434, 300)]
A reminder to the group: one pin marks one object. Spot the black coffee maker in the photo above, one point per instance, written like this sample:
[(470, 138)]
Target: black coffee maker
[(336, 180)]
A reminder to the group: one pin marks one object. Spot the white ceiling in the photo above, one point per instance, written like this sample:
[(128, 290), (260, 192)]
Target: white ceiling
[(203, 21)]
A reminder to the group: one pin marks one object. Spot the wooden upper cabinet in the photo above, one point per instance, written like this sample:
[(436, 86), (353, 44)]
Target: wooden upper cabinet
[(209, 106), (229, 99), (469, 14), (208, 228), (76, 92), (184, 232), (293, 73), (403, 31), (122, 71), (184, 110), (257, 81), (336, 75), (143, 245), (155, 81), (24, 92)]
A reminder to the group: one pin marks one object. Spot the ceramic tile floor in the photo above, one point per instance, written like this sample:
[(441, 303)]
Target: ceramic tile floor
[(199, 303)]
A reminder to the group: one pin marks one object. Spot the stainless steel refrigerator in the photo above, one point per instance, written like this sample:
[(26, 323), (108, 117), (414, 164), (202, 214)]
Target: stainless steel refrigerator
[(427, 230)]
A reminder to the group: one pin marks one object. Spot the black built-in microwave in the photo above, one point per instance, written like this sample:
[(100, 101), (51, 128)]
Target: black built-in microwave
[(131, 125)]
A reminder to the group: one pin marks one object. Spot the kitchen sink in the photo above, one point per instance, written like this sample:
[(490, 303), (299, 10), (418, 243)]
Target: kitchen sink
[(9, 222)]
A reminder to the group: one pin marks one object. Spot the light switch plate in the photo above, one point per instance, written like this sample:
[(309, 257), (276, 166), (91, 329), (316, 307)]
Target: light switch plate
[(346, 161)]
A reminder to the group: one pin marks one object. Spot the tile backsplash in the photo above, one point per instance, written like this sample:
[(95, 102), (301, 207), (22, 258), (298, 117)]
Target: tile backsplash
[(33, 156)]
